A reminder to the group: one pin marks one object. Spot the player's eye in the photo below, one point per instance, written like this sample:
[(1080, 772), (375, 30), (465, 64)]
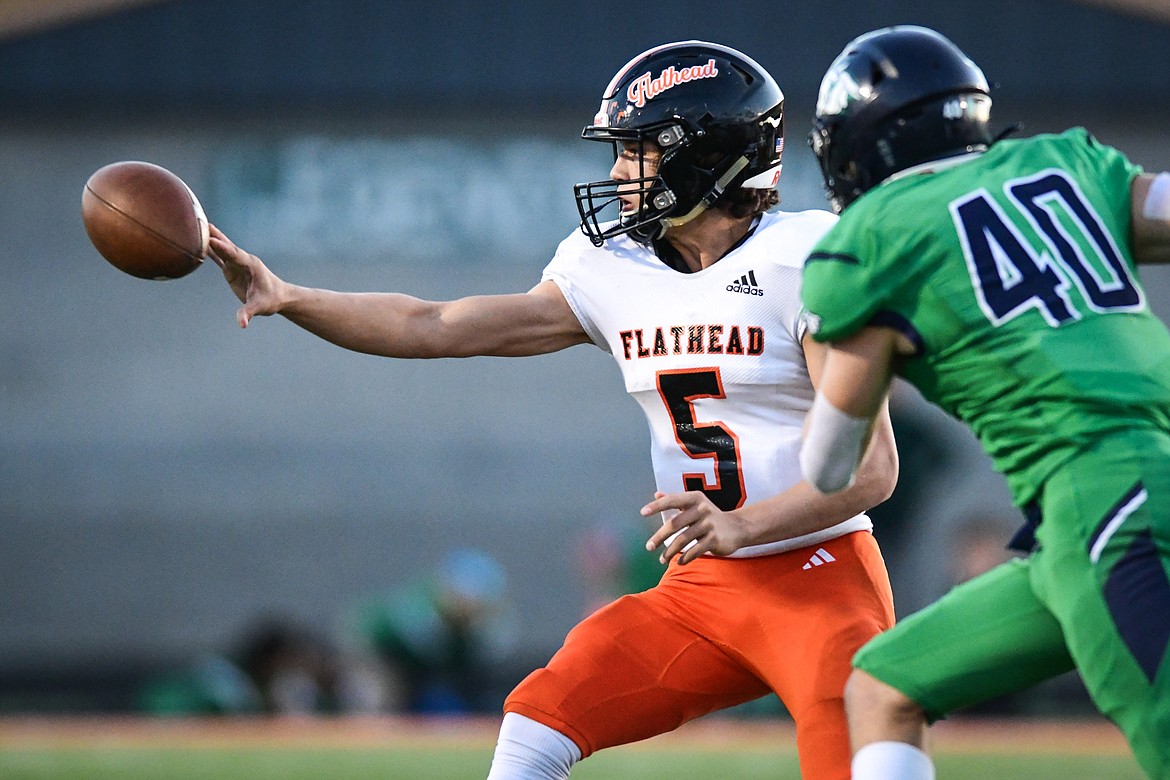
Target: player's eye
[(628, 152)]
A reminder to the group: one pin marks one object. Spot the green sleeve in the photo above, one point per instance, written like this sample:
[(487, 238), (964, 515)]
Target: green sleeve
[(844, 286)]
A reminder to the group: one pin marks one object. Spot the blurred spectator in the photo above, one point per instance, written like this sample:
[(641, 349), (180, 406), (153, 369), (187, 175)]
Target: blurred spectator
[(612, 561), (442, 642), (279, 669)]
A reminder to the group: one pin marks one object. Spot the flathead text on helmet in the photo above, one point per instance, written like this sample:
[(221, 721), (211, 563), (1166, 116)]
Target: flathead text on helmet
[(646, 87)]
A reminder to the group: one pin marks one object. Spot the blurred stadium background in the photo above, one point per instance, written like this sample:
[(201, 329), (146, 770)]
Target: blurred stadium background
[(167, 482)]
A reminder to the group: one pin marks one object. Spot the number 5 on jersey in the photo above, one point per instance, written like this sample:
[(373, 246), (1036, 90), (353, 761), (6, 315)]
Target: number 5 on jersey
[(703, 440)]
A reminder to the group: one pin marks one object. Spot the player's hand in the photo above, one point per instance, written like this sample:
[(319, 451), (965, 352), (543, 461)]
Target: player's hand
[(251, 281), (697, 520)]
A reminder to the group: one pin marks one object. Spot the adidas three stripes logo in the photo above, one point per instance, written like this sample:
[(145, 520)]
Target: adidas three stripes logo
[(819, 558)]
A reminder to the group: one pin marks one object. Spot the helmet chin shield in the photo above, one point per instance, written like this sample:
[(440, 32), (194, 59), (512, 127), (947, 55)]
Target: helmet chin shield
[(715, 117)]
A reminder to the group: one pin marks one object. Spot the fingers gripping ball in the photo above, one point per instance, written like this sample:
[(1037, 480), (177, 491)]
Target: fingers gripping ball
[(145, 220)]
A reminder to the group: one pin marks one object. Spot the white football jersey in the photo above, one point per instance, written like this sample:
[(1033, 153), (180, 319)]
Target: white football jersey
[(713, 357)]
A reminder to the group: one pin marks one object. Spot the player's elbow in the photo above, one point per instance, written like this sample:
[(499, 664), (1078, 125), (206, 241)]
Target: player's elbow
[(876, 482), (886, 487), (879, 472), (880, 464)]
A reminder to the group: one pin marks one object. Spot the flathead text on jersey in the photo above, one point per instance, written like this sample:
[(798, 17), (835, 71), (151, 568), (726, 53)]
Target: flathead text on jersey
[(692, 340)]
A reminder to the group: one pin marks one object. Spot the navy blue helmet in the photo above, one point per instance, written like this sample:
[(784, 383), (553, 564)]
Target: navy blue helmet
[(895, 98)]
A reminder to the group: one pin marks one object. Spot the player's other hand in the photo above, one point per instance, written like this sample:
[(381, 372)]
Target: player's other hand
[(697, 520), (251, 281)]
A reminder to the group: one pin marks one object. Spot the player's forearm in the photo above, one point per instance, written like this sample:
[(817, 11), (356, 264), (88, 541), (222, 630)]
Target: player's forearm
[(802, 509), (798, 511), (396, 325), (386, 324)]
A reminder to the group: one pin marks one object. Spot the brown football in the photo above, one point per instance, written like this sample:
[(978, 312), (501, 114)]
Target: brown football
[(145, 220)]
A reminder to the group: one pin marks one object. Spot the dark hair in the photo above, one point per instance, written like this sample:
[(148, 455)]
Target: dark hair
[(743, 202)]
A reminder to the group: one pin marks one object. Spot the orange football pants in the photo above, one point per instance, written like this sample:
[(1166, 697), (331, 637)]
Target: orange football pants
[(716, 633)]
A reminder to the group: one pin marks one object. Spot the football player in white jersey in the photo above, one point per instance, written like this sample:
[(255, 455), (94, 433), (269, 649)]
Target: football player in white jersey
[(694, 290)]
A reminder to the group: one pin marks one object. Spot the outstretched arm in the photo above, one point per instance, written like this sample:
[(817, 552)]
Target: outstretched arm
[(395, 325), (797, 511)]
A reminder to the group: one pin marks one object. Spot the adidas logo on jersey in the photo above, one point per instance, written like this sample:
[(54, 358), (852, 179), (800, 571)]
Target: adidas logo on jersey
[(746, 284), (819, 558)]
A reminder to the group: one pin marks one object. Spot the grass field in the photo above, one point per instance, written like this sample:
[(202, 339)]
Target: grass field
[(129, 749)]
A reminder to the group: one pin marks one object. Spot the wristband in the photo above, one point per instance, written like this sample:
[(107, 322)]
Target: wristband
[(1157, 205), (832, 446)]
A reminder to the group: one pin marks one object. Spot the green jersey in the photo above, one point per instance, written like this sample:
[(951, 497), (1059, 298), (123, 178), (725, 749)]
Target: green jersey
[(1013, 272)]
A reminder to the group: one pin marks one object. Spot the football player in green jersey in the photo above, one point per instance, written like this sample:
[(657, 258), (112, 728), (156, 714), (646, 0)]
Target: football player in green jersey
[(999, 277)]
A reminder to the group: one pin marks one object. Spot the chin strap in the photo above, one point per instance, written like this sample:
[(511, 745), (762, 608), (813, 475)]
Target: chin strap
[(721, 185)]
